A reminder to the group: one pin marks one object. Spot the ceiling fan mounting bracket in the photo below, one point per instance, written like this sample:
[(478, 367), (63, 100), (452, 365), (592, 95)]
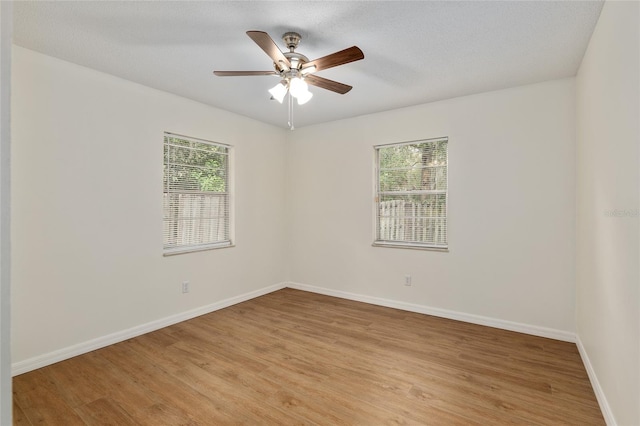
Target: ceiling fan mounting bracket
[(291, 40)]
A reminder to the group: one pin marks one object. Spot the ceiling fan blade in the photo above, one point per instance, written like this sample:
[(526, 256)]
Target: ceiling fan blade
[(345, 56), (267, 44), (241, 73), (325, 83)]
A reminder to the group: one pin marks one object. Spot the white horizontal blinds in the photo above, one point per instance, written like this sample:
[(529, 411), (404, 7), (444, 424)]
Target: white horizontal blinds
[(196, 193), (411, 202)]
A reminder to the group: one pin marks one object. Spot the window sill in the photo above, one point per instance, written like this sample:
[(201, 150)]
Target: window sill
[(409, 246), (184, 250)]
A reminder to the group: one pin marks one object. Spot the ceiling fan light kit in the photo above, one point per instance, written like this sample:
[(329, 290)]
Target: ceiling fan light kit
[(295, 70)]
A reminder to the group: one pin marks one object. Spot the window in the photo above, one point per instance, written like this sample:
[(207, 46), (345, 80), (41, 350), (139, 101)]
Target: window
[(196, 194), (411, 194)]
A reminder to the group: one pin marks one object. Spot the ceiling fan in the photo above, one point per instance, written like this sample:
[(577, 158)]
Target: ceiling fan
[(296, 70)]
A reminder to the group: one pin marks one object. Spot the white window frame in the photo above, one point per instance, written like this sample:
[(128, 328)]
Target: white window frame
[(377, 193), (226, 242)]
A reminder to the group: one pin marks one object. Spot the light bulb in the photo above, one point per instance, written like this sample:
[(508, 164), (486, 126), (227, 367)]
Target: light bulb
[(278, 92), (297, 87)]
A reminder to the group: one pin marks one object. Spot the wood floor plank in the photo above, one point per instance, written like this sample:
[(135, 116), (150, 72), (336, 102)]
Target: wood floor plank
[(39, 399), (19, 418), (150, 374), (120, 386), (163, 415), (74, 380), (292, 357), (104, 412)]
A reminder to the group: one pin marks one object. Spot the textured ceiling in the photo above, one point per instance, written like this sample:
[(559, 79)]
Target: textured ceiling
[(415, 52)]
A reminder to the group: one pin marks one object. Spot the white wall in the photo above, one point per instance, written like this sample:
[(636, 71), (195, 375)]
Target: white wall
[(511, 207), (608, 257), (6, 400), (87, 203)]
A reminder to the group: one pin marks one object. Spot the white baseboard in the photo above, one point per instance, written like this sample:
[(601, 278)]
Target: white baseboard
[(444, 313), (100, 342), (595, 384)]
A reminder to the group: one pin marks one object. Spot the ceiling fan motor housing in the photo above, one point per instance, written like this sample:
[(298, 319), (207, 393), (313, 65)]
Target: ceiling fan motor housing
[(291, 40)]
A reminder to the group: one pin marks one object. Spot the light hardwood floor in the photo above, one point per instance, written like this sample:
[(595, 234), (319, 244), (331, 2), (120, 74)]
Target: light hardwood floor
[(293, 357)]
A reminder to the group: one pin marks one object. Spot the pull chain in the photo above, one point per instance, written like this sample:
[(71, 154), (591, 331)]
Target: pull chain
[(291, 112)]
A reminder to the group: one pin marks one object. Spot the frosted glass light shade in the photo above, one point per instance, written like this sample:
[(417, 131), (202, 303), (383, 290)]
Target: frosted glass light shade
[(278, 92), (304, 97)]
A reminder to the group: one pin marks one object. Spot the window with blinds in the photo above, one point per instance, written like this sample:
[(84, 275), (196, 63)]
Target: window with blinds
[(195, 194), (411, 194)]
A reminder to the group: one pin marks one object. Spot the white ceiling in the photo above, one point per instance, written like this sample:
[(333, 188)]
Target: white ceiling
[(415, 51)]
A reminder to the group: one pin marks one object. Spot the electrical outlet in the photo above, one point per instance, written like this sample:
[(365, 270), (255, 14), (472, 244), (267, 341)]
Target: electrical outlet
[(407, 280), (185, 286)]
